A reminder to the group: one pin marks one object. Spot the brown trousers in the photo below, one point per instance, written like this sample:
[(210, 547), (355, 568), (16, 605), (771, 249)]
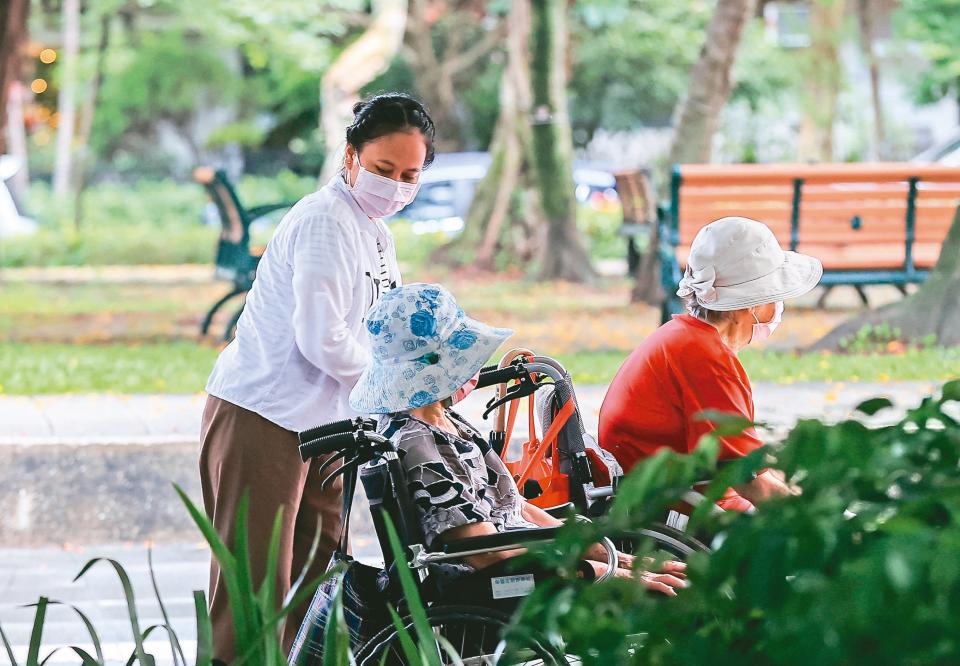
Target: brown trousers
[(242, 451)]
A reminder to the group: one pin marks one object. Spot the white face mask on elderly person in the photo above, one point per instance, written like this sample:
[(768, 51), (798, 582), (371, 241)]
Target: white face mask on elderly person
[(763, 330)]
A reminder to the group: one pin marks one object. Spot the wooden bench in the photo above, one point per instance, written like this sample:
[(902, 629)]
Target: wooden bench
[(639, 211), (869, 224), (235, 262)]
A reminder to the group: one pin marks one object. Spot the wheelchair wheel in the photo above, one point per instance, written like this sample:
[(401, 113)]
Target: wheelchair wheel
[(661, 539), (474, 633)]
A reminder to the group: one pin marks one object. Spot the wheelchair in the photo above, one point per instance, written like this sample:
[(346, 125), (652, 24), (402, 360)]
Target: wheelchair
[(468, 610)]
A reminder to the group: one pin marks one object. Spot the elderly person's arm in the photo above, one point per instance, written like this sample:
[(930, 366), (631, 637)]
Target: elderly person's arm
[(670, 574)]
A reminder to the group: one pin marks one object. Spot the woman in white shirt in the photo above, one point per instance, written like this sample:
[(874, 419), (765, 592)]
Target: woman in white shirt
[(300, 348)]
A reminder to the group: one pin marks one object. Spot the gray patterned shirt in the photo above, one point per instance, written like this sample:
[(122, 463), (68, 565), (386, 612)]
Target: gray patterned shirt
[(453, 480)]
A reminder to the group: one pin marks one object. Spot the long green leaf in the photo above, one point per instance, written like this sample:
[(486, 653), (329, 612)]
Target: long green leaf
[(305, 570), (88, 659), (36, 634), (146, 634), (94, 637), (245, 631), (131, 604), (8, 647), (302, 595), (268, 588), (417, 611), (175, 650), (336, 639), (204, 630), (406, 642), (226, 560)]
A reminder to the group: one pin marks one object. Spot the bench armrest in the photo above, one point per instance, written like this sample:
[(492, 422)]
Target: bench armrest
[(259, 211)]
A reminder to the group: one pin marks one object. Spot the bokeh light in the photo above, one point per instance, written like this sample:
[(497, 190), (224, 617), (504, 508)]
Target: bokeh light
[(38, 86), (47, 56)]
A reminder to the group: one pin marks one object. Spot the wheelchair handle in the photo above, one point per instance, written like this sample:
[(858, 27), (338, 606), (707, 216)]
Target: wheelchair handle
[(326, 445), (336, 428)]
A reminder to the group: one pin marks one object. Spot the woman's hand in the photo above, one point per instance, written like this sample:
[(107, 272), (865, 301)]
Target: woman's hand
[(769, 483)]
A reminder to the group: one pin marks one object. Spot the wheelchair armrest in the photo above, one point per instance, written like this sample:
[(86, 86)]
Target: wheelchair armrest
[(560, 510), (499, 540)]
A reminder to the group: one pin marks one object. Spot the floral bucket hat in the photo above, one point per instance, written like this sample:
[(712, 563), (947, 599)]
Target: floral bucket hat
[(423, 348)]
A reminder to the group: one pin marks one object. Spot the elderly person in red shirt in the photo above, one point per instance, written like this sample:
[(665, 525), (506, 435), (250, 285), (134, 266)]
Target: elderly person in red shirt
[(736, 281)]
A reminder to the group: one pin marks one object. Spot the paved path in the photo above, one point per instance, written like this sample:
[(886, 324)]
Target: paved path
[(180, 568), (161, 419)]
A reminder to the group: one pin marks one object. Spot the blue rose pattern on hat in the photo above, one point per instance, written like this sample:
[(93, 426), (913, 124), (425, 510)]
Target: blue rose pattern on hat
[(407, 327)]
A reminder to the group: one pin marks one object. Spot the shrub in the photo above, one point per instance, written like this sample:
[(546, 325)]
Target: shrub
[(862, 568)]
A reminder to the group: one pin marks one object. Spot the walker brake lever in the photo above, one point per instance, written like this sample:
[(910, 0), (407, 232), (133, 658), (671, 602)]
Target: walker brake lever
[(526, 387)]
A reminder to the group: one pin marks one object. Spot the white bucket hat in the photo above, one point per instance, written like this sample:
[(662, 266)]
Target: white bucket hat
[(736, 263), (424, 348)]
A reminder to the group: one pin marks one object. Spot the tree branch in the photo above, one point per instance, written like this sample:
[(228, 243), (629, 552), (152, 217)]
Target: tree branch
[(473, 55)]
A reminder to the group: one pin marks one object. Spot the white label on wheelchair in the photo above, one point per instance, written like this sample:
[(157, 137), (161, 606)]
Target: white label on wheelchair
[(677, 520), (505, 587)]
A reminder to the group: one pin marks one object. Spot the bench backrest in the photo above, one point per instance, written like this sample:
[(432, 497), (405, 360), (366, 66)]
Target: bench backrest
[(852, 216), (636, 197), (233, 216)]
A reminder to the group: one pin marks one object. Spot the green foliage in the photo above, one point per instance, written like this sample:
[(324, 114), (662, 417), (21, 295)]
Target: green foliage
[(935, 26), (800, 581), (882, 337), (631, 61), (147, 222), (162, 78)]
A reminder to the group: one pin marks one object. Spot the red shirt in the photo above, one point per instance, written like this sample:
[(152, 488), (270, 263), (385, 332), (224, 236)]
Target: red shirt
[(680, 370)]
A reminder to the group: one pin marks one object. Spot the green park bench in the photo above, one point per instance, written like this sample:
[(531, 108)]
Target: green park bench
[(235, 261), (870, 224)]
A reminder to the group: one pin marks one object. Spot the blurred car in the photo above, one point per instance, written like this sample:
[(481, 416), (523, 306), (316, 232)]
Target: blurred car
[(946, 153), (12, 222), (447, 188)]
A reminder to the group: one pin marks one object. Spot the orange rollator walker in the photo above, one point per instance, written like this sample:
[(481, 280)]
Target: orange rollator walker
[(562, 464)]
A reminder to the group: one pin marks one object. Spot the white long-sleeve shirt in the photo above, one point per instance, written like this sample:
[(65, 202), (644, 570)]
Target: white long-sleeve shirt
[(301, 343)]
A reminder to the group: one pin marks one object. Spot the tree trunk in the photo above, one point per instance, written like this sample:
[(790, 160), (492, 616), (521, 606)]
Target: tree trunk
[(359, 64), (563, 256), (67, 101), (865, 15), (503, 225), (86, 119), (822, 74), (932, 310), (710, 84), (13, 33)]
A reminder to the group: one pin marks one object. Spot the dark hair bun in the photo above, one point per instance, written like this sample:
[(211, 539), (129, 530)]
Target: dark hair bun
[(387, 113)]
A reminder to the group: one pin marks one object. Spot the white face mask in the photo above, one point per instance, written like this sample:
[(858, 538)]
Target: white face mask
[(379, 196), (762, 331)]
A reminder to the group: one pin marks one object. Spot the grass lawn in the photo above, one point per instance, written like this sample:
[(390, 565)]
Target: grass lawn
[(35, 368), (183, 367)]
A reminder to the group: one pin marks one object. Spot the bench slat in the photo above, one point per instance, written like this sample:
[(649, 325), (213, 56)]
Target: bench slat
[(781, 174)]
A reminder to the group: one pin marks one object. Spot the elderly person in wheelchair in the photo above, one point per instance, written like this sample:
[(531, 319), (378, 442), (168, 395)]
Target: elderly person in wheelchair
[(736, 281), (425, 349)]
